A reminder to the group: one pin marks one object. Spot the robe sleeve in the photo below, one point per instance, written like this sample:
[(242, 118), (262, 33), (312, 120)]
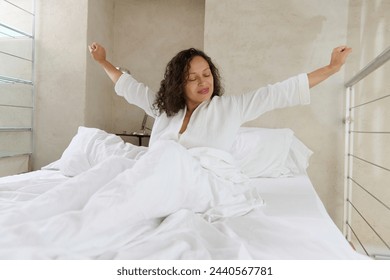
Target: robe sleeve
[(136, 93), (291, 92)]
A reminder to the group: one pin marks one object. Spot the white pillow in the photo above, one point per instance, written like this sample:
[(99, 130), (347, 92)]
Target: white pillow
[(298, 157), (55, 165), (263, 152), (91, 146), (72, 164)]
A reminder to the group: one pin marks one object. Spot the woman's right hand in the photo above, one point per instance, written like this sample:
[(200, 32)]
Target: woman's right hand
[(97, 52)]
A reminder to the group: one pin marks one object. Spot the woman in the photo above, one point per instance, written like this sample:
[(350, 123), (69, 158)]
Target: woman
[(120, 202), (189, 107)]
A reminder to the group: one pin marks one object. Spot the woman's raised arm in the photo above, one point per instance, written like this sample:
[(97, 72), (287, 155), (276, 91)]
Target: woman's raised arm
[(99, 54), (339, 55)]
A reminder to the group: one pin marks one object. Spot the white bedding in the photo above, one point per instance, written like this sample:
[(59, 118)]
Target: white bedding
[(170, 203), (292, 225)]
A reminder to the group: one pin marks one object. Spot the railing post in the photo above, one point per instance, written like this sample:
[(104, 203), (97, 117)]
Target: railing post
[(348, 165)]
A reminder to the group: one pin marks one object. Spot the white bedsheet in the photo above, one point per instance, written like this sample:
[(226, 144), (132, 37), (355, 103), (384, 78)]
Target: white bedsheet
[(165, 206)]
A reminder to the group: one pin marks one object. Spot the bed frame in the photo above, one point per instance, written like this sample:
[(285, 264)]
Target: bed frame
[(360, 227)]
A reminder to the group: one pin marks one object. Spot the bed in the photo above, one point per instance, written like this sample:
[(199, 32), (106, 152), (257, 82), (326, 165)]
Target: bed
[(270, 209)]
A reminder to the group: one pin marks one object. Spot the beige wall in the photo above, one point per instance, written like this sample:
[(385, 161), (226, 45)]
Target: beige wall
[(72, 90), (261, 42), (369, 33), (61, 28), (147, 34), (99, 100)]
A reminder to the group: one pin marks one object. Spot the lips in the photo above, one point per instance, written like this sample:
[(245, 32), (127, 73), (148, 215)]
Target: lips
[(203, 91)]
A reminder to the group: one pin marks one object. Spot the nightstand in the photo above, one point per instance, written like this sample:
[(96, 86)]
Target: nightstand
[(139, 135)]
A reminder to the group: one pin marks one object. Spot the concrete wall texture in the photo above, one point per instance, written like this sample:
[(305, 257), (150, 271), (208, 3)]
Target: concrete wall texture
[(253, 43)]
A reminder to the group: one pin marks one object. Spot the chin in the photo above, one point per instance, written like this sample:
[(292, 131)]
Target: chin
[(206, 98)]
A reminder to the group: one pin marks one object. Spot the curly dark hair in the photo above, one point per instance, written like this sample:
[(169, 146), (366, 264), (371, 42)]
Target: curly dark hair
[(170, 97)]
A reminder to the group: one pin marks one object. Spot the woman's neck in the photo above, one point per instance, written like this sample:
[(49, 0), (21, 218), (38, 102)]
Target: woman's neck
[(191, 108)]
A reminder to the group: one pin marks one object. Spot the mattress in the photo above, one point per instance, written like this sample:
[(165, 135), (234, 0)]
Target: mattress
[(292, 224)]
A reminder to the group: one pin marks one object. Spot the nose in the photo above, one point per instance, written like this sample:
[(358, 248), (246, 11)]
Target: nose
[(201, 81)]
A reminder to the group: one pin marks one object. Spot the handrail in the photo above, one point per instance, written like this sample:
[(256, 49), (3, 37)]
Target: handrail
[(14, 31), (350, 156), (15, 129), (19, 7), (13, 154), (11, 80), (371, 67)]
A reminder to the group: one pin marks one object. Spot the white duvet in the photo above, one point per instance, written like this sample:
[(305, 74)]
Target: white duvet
[(109, 205), (126, 202)]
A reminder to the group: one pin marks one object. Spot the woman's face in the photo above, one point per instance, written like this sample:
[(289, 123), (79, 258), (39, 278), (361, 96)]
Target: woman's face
[(200, 83)]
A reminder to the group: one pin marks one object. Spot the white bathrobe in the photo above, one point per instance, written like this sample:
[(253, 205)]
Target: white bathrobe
[(215, 123)]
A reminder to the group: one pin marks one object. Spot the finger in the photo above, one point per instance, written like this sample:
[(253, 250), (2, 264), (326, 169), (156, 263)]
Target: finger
[(94, 46), (340, 48), (348, 50), (345, 52)]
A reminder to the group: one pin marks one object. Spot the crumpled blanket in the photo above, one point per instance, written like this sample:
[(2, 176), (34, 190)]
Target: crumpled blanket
[(112, 204)]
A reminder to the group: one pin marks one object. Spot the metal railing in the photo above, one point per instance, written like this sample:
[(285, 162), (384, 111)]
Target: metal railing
[(369, 68), (350, 182), (12, 33)]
